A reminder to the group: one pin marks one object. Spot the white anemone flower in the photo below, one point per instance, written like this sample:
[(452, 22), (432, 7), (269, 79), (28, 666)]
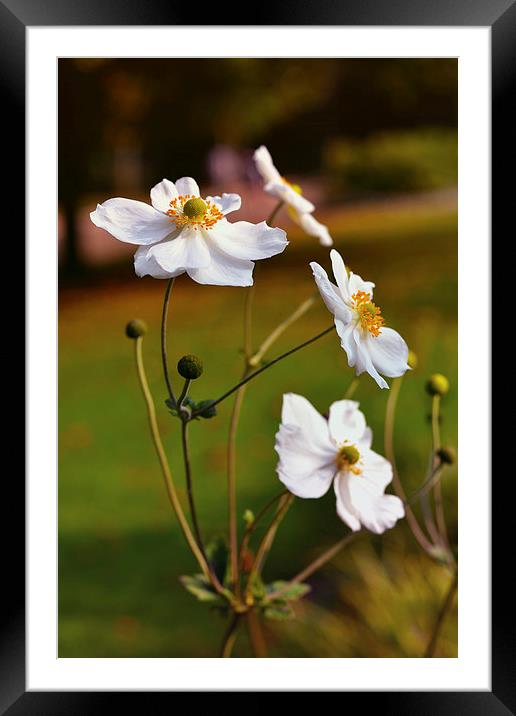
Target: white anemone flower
[(299, 208), (181, 232), (314, 452), (370, 346)]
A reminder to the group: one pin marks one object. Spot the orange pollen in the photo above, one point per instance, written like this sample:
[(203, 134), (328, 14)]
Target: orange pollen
[(180, 219), (369, 313)]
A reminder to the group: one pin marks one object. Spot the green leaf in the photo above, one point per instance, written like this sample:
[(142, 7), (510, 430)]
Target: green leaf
[(290, 593), (200, 587), (280, 611)]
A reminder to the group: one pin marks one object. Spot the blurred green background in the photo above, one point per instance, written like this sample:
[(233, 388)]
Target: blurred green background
[(373, 143)]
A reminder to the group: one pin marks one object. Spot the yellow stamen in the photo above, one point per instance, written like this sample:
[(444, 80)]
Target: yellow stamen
[(369, 313)]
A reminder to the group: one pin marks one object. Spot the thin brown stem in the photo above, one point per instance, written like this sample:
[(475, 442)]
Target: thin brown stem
[(230, 636), (438, 498), (268, 539), (390, 412), (280, 329), (316, 564), (446, 607), (351, 388), (169, 483), (256, 373), (231, 483), (164, 358), (256, 637), (189, 485), (251, 528)]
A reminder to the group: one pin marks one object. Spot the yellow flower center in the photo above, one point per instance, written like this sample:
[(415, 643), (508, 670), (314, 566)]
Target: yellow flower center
[(369, 313), (347, 457), (194, 212), (295, 187)]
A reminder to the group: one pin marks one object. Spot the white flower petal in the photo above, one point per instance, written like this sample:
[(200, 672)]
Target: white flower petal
[(340, 274), (265, 165), (227, 202), (389, 352), (330, 294), (132, 221), (346, 422), (186, 186), (312, 227), (187, 251), (284, 192), (307, 456), (162, 194), (357, 283), (305, 472), (244, 240), (223, 270), (376, 471), (345, 508), (376, 512), (345, 331), (364, 361), (145, 265), (298, 412)]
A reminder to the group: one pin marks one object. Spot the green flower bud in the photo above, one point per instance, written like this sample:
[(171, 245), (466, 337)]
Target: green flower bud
[(248, 517), (206, 408), (136, 328), (447, 455), (195, 208), (190, 367), (412, 360), (437, 384)]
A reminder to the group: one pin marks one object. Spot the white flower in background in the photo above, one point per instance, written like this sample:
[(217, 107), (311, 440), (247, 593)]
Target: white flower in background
[(181, 233), (314, 452), (299, 208), (369, 345)]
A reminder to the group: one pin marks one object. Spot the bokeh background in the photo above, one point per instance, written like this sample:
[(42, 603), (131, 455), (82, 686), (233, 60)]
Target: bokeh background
[(374, 145)]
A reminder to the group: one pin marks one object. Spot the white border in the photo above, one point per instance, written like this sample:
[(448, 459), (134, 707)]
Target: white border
[(471, 670)]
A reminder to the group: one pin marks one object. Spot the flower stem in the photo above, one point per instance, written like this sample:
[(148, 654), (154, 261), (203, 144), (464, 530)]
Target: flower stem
[(230, 637), (268, 539), (351, 388), (316, 564), (249, 531), (255, 631), (164, 358), (273, 213), (169, 483), (390, 412), (184, 393), (231, 481), (438, 498), (189, 485), (250, 376), (447, 605), (280, 329)]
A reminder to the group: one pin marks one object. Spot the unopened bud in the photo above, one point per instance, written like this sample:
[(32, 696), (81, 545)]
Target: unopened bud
[(190, 367), (447, 455), (136, 328), (437, 384)]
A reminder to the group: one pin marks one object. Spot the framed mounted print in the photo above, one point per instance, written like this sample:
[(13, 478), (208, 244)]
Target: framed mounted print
[(258, 432)]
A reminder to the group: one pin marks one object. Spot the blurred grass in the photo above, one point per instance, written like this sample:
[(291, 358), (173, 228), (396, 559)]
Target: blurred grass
[(120, 551)]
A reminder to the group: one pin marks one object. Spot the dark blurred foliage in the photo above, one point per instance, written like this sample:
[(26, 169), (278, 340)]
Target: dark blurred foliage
[(125, 123)]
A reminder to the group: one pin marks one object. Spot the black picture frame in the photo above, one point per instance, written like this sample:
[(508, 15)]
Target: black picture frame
[(15, 17)]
